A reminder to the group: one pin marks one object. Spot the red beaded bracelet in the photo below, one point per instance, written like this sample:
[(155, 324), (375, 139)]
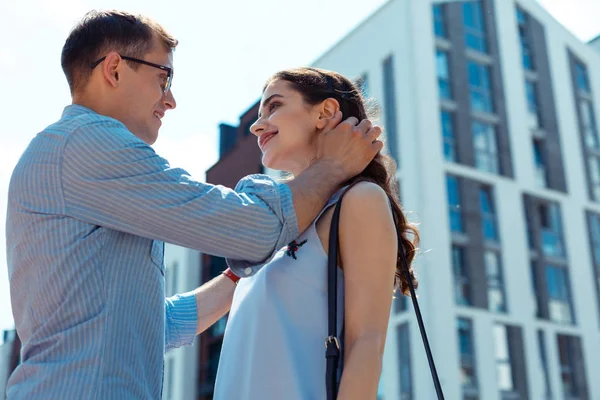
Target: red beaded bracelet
[(229, 273)]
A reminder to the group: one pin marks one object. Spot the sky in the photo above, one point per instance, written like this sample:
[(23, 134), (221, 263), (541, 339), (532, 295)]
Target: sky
[(227, 50)]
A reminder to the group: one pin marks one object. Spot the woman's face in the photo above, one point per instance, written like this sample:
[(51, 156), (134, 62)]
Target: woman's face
[(286, 128)]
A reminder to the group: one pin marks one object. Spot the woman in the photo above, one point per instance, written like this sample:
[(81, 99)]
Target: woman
[(274, 341)]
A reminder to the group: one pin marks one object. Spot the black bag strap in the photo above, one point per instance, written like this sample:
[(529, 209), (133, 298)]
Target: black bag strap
[(332, 343)]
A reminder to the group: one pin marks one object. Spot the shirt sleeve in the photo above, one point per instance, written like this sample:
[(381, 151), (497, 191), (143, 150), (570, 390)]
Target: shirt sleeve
[(181, 320), (112, 178)]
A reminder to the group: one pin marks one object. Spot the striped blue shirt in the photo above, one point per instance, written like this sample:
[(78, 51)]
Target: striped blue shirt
[(89, 209)]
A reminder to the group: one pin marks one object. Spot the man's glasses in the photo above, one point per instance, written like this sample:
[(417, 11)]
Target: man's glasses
[(166, 85)]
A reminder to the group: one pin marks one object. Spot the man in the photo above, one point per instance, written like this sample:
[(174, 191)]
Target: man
[(90, 205)]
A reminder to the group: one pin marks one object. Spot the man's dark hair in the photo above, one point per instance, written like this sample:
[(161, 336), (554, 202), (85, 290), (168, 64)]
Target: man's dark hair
[(100, 32)]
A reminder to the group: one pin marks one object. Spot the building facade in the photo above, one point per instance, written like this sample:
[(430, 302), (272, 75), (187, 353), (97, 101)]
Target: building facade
[(490, 108)]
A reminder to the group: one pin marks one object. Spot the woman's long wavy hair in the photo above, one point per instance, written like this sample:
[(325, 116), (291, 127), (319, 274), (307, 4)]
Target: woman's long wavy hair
[(315, 86)]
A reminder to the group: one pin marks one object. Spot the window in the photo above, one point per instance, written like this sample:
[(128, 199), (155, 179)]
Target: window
[(462, 289), (495, 283), (456, 224), (438, 21), (522, 20), (551, 230), (581, 77), (594, 168), (536, 290), (441, 58), (544, 363), (594, 225), (474, 26), (404, 362), (488, 215), (594, 220), (541, 176), (572, 373), (480, 88), (503, 363), (447, 121), (588, 121), (559, 298), (389, 107), (532, 104), (467, 358), (484, 143)]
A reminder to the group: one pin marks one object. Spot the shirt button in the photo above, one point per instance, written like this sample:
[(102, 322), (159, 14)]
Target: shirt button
[(248, 271)]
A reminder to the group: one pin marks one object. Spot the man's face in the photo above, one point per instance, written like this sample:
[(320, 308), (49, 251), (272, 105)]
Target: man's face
[(140, 100)]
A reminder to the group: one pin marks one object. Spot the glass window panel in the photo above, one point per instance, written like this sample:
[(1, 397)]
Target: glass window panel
[(495, 284), (448, 135), (461, 277), (590, 131), (582, 78), (438, 21), (501, 342), (485, 146), (467, 358), (557, 286), (595, 233), (443, 74), (594, 168), (474, 26), (551, 231), (480, 87), (569, 358), (532, 104), (454, 204), (540, 164), (521, 17)]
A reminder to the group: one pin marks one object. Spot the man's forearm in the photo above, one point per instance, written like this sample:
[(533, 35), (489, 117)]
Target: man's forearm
[(312, 189), (213, 300)]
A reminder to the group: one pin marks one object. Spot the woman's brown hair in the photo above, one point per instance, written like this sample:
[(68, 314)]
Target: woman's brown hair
[(316, 85)]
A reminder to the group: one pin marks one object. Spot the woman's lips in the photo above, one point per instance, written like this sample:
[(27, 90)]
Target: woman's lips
[(262, 141)]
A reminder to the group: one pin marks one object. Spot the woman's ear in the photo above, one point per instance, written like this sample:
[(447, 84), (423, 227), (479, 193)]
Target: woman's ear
[(327, 111)]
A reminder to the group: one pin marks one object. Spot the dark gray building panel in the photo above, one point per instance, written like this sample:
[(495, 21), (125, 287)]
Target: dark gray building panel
[(552, 150), (458, 64)]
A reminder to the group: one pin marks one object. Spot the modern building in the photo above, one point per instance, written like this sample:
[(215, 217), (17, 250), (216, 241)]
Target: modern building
[(183, 269), (490, 108)]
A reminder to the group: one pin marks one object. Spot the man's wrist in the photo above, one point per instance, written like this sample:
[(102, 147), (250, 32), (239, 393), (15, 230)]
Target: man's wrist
[(229, 273), (333, 170)]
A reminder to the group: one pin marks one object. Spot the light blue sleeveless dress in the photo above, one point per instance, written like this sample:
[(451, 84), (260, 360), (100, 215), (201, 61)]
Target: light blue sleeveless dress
[(274, 343)]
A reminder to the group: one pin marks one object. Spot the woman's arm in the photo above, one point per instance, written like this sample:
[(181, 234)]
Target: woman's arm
[(368, 248)]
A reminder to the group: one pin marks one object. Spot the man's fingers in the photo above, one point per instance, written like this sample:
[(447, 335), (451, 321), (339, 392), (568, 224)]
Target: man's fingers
[(374, 133), (364, 126), (377, 146), (352, 121)]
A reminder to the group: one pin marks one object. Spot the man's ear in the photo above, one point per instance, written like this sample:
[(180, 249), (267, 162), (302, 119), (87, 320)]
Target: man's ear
[(111, 67), (327, 111)]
